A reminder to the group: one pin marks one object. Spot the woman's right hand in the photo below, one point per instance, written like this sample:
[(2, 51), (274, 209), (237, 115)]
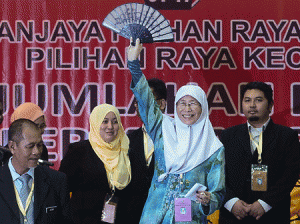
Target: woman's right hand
[(134, 51), (203, 197)]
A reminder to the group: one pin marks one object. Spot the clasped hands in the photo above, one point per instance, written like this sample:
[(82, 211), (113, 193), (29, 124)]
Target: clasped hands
[(241, 209)]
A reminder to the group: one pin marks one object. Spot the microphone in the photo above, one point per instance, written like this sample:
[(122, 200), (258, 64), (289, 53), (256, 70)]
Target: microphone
[(44, 162)]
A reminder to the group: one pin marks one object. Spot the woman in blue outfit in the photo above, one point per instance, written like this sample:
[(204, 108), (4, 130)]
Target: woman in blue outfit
[(187, 152)]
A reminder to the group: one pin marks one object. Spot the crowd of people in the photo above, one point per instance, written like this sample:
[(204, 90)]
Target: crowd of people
[(170, 170)]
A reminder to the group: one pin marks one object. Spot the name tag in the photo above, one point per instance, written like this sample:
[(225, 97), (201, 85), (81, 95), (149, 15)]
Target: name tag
[(259, 177), (109, 209), (183, 210), (51, 209)]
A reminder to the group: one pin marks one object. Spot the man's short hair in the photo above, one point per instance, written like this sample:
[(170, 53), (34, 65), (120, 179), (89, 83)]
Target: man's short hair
[(15, 131), (159, 88), (265, 88)]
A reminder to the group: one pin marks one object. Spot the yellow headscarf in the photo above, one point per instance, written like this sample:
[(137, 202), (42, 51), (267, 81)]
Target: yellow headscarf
[(114, 155), (28, 111)]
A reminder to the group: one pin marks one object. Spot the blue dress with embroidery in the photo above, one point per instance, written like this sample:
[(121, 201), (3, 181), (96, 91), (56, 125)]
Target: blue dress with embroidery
[(159, 207)]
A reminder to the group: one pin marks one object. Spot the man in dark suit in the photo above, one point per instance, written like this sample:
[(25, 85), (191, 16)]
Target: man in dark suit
[(141, 152), (262, 163), (30, 193)]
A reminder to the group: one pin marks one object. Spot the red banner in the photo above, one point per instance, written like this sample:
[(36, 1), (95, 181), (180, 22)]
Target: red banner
[(58, 55)]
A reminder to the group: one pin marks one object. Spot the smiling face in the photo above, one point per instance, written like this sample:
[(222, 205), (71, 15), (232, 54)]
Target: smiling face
[(256, 107), (27, 152), (188, 110), (109, 127)]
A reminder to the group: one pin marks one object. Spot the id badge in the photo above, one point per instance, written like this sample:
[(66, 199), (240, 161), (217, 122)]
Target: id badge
[(259, 179), (183, 210), (109, 209)]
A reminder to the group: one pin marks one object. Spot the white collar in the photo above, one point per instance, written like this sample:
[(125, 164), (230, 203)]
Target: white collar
[(14, 173), (263, 128), (144, 129)]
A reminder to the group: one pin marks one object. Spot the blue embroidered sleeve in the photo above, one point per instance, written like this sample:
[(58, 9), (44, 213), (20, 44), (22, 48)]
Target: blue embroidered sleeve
[(149, 110)]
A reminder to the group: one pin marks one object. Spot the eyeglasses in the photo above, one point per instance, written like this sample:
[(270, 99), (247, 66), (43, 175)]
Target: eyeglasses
[(192, 105)]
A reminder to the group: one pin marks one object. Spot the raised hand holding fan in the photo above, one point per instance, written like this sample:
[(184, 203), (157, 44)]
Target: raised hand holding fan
[(139, 21)]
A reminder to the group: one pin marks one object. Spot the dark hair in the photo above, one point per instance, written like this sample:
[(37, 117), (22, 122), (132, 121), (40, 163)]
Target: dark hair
[(265, 88), (159, 88), (15, 131)]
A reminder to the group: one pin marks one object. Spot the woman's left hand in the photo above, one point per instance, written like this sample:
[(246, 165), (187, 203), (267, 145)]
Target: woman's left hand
[(203, 197)]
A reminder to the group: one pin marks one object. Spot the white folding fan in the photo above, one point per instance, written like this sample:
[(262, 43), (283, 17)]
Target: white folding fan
[(139, 21)]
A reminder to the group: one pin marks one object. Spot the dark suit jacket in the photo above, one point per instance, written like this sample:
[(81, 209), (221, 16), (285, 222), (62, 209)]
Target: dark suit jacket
[(50, 190), (141, 173), (89, 185), (280, 153)]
